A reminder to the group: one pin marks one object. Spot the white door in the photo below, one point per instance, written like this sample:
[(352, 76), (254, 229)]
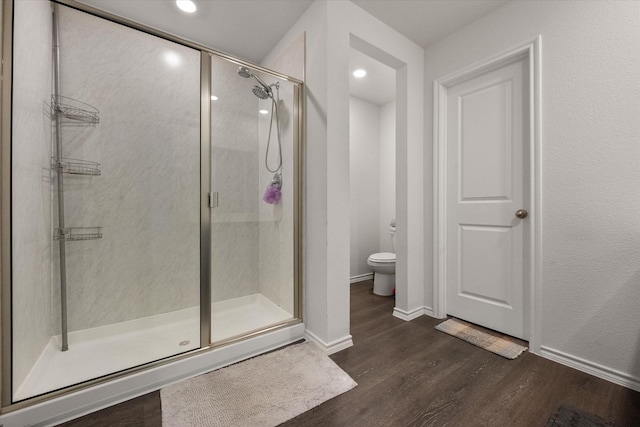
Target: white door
[(487, 132)]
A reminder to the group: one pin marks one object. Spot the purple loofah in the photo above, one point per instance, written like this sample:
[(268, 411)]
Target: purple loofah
[(272, 194)]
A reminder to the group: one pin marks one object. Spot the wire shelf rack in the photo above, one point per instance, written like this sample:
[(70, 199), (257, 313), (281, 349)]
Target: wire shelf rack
[(76, 166), (74, 110), (78, 233)]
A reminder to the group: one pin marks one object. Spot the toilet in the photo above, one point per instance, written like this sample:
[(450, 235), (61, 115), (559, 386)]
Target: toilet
[(383, 265)]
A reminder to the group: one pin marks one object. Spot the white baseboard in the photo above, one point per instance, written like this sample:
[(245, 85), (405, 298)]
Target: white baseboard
[(82, 402), (332, 347), (428, 311), (410, 315), (592, 368), (361, 278)]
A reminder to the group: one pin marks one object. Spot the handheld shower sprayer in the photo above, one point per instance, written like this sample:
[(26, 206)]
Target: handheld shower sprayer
[(263, 92)]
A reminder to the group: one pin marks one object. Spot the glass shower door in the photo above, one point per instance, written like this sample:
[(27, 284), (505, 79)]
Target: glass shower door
[(253, 173), (115, 150)]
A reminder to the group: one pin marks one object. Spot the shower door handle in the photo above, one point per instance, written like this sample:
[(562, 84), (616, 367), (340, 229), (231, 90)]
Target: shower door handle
[(213, 199)]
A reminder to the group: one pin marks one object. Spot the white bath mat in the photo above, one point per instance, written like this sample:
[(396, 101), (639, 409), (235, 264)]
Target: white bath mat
[(264, 391)]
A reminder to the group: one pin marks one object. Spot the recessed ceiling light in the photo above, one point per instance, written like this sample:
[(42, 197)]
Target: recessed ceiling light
[(359, 73), (214, 98), (186, 5), (264, 112)]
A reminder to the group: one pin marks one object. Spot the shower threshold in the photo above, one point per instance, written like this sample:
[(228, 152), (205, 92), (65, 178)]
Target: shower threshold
[(107, 349)]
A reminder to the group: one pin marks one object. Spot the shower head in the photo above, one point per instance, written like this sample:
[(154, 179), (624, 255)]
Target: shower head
[(244, 72), (263, 92)]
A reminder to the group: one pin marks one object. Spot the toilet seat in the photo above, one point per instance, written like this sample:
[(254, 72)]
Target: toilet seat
[(383, 257)]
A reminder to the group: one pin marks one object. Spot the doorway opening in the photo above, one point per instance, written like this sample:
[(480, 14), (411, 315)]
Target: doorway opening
[(372, 166)]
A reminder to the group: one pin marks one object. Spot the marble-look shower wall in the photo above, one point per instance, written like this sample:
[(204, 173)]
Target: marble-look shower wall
[(234, 224), (276, 221), (147, 198), (31, 185)]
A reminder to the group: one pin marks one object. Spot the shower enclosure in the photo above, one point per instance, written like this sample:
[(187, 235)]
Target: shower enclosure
[(139, 219)]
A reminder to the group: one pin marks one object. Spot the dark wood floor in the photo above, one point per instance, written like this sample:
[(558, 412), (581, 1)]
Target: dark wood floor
[(409, 374)]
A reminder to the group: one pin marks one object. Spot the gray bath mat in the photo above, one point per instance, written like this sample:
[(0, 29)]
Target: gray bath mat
[(571, 417), (502, 345), (264, 391)]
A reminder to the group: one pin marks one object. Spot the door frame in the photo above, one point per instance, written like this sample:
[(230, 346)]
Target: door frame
[(533, 180)]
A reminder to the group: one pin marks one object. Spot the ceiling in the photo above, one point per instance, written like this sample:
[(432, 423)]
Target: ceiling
[(421, 21), (426, 21), (378, 86), (250, 29)]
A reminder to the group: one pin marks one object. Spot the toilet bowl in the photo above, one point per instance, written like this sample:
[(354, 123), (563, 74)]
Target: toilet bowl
[(383, 265)]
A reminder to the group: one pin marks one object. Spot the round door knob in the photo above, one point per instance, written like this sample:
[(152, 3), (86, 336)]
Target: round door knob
[(522, 214)]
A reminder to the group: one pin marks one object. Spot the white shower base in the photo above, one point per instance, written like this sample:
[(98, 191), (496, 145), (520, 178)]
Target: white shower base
[(107, 349)]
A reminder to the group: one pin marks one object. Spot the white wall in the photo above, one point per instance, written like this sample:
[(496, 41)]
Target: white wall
[(591, 170), (334, 330), (387, 173), (330, 29), (288, 60), (364, 175), (384, 44), (372, 170)]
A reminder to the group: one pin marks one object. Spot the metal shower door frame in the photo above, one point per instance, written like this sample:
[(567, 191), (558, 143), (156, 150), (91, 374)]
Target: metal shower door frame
[(6, 402)]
